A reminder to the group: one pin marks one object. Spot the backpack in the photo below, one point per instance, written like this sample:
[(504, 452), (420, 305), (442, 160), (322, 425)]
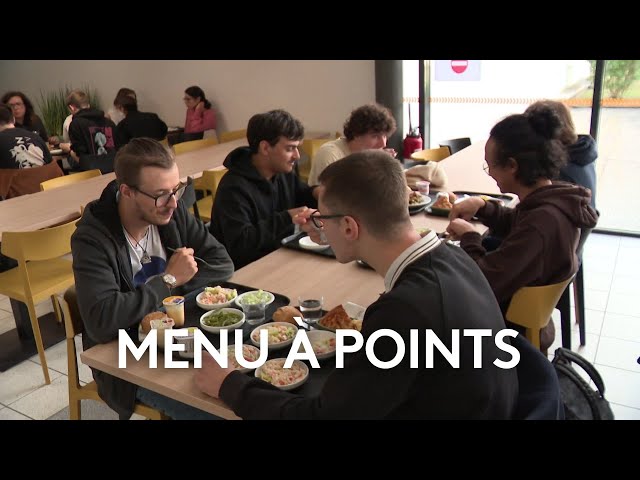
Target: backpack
[(581, 402)]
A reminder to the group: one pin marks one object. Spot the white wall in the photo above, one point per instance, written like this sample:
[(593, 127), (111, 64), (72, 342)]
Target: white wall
[(321, 93)]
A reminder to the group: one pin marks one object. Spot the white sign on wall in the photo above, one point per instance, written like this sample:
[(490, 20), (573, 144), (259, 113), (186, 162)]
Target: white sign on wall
[(457, 70)]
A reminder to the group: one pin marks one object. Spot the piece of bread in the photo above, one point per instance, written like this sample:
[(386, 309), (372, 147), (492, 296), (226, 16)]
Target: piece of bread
[(145, 324), (337, 318), (287, 314)]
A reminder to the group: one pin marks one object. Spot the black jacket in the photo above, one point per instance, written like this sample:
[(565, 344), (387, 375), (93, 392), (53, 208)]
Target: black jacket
[(140, 124), (35, 125), (107, 299), (93, 139), (249, 214), (581, 168)]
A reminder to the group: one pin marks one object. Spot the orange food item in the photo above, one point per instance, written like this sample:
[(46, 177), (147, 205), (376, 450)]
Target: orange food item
[(337, 318), (443, 203)]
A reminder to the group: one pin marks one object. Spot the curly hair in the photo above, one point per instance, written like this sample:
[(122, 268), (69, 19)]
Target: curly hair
[(568, 135), (533, 141), (29, 114), (372, 118)]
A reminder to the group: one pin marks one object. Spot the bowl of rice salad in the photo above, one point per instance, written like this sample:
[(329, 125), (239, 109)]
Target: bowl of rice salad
[(279, 334), (273, 372), (212, 298), (249, 353)]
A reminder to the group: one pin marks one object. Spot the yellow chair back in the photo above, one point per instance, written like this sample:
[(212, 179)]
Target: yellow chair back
[(431, 154), (210, 181), (192, 145), (68, 179), (233, 135), (310, 146), (531, 307), (165, 142)]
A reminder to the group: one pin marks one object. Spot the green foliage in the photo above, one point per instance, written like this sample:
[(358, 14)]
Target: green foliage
[(53, 106), (618, 75)]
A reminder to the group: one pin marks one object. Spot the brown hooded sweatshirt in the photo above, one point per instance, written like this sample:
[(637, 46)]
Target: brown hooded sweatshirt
[(540, 236)]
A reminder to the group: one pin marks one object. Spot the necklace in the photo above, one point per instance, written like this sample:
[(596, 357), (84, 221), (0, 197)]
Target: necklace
[(145, 256)]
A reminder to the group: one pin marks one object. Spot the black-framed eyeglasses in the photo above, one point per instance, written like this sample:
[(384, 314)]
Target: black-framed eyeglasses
[(316, 218), (163, 200)]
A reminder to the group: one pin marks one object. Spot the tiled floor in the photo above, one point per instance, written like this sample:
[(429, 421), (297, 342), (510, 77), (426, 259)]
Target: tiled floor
[(612, 290)]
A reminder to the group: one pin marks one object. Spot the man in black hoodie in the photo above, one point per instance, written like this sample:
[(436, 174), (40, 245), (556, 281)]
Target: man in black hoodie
[(260, 196), (92, 136)]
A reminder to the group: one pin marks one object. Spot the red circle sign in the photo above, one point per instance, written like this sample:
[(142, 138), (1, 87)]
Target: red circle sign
[(459, 66)]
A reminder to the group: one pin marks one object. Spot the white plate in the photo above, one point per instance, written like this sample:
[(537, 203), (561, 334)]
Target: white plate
[(317, 336), (208, 328), (291, 386), (255, 336), (214, 306), (425, 200), (239, 297), (308, 244)]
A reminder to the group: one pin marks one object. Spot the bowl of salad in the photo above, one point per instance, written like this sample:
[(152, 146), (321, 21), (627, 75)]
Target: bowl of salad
[(323, 343), (255, 296), (222, 319), (212, 298), (273, 372), (249, 353), (279, 334)]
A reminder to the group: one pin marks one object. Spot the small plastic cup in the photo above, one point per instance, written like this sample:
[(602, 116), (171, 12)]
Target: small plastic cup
[(174, 306), (423, 187)]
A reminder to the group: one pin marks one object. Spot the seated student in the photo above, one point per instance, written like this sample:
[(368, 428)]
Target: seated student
[(368, 126), (24, 114), (540, 235), (137, 124), (133, 247), (92, 135), (20, 148), (363, 212), (258, 198), (200, 116), (114, 113)]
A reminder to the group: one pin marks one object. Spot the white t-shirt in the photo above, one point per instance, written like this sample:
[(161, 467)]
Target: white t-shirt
[(150, 247), (327, 154)]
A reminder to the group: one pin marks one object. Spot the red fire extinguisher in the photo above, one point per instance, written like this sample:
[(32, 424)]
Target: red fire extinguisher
[(412, 142)]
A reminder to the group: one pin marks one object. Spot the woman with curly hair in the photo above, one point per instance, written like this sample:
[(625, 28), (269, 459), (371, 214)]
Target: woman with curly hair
[(23, 113), (540, 235)]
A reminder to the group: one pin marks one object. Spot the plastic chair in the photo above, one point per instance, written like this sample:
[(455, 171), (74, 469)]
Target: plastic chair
[(456, 144), (73, 326), (184, 147), (531, 307), (310, 146), (233, 135), (431, 154), (68, 179), (40, 273), (210, 181), (165, 142)]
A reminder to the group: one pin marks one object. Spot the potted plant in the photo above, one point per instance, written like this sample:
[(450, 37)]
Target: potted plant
[(53, 107)]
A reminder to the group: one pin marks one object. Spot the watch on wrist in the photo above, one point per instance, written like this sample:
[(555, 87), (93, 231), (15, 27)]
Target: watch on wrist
[(169, 280)]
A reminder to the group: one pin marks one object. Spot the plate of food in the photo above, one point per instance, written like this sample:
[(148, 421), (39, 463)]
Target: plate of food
[(212, 298), (308, 244), (279, 334), (338, 318), (416, 199), (323, 343), (273, 372), (222, 319), (441, 207), (255, 296), (249, 353)]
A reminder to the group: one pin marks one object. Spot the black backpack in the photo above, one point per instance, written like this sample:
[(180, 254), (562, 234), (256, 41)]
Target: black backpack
[(581, 402)]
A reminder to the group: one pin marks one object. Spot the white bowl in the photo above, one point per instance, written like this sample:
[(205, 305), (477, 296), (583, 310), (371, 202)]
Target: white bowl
[(213, 306), (269, 294), (316, 336), (308, 244), (220, 311), (231, 354), (280, 361), (255, 335)]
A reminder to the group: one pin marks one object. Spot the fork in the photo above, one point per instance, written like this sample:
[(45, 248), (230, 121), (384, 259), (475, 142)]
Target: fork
[(197, 258)]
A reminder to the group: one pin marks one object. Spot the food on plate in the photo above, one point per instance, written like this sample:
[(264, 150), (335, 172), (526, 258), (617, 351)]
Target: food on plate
[(324, 345), (221, 318), (146, 323), (249, 353), (443, 203), (338, 318), (415, 198), (287, 314), (357, 324), (251, 298), (217, 294), (273, 372), (275, 333)]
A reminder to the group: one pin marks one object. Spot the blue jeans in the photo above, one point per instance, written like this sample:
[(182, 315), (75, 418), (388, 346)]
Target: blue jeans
[(172, 408)]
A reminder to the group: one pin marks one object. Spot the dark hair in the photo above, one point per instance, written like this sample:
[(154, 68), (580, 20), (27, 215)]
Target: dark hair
[(139, 153), (29, 114), (127, 102), (532, 140), (197, 92), (372, 118), (370, 186), (6, 115), (271, 126), (568, 135), (128, 92)]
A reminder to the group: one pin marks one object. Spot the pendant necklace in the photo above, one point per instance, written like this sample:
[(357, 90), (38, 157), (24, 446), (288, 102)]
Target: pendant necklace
[(145, 256)]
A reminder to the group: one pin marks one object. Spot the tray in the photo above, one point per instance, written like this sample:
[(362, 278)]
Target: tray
[(292, 241), (442, 212)]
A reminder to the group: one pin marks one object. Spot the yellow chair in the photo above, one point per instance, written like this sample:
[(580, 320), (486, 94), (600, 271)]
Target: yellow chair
[(338, 134), (310, 146), (165, 142), (233, 135), (40, 273), (431, 154), (210, 181), (67, 179), (531, 307), (73, 326), (190, 146)]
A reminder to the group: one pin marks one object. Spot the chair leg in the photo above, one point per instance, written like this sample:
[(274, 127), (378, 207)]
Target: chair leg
[(578, 286), (56, 309), (75, 408), (533, 335), (564, 305), (38, 339)]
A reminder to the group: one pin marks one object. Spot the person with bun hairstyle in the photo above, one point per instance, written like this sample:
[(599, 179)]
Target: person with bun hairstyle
[(200, 116), (540, 235)]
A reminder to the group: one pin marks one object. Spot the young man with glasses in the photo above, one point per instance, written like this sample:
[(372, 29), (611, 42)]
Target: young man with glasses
[(134, 247), (363, 211)]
